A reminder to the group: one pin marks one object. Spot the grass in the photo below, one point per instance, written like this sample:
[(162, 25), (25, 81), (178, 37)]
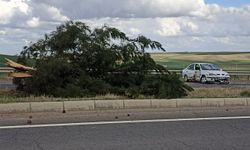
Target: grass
[(227, 61), (219, 93), (245, 93), (12, 97), (212, 57), (2, 59)]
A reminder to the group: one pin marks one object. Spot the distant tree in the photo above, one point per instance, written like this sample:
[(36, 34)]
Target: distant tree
[(75, 61)]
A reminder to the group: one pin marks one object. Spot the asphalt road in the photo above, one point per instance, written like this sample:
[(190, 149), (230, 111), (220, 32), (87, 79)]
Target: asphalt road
[(221, 134), (185, 135)]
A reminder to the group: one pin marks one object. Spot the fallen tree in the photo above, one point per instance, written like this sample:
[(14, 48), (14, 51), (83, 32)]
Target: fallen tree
[(21, 71), (75, 61)]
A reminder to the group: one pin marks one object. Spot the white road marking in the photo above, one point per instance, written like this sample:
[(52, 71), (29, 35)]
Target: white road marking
[(122, 122)]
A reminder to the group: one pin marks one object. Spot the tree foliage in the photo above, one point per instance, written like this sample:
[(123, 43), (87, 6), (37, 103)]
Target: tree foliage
[(76, 61)]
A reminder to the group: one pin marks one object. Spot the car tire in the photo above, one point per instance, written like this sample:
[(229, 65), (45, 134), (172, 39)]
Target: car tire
[(186, 78), (203, 79)]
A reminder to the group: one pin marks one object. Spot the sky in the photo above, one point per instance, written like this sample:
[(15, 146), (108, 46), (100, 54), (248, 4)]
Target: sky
[(180, 25), (228, 3)]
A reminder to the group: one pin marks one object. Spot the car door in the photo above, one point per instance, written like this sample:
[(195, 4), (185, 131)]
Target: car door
[(190, 71), (197, 74)]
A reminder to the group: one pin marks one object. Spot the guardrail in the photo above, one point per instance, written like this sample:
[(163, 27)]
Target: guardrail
[(234, 74), (6, 70), (239, 76)]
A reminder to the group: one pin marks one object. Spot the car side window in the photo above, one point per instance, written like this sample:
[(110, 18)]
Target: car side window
[(191, 67), (197, 67)]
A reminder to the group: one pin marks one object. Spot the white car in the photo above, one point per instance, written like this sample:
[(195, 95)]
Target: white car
[(205, 72)]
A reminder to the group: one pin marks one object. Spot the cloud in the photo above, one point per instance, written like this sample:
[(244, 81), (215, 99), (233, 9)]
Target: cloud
[(224, 40), (176, 26), (10, 8), (180, 25), (16, 12), (34, 22), (2, 32), (191, 26), (168, 27), (56, 14), (129, 8), (47, 12)]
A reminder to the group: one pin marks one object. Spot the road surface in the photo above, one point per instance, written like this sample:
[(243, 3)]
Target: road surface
[(210, 133)]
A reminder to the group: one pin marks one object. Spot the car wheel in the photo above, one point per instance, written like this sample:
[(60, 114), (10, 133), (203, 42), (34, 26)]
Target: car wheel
[(227, 82), (186, 78), (203, 79)]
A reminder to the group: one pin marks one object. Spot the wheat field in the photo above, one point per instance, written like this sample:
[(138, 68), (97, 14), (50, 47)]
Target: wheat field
[(227, 61), (202, 57)]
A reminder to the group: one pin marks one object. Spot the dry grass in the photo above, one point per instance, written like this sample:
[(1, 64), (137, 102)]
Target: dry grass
[(9, 97), (207, 57), (106, 97), (217, 92)]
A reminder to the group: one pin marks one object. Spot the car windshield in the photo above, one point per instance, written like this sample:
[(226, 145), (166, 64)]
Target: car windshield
[(209, 67)]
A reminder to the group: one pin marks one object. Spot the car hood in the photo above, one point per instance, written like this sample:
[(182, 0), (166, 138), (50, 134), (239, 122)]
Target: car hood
[(216, 72)]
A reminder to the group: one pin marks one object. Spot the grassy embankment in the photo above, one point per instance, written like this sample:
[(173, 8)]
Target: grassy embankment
[(10, 96), (219, 93)]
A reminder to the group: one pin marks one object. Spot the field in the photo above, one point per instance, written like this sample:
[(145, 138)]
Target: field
[(230, 61), (2, 59), (227, 61)]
